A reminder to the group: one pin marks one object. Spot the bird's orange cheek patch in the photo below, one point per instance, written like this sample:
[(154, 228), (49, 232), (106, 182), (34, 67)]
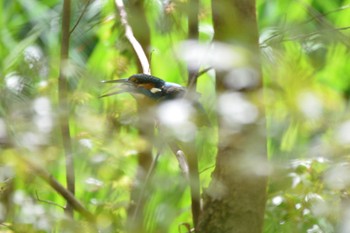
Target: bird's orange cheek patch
[(147, 86)]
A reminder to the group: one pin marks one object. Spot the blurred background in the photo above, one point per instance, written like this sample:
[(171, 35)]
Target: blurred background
[(306, 81)]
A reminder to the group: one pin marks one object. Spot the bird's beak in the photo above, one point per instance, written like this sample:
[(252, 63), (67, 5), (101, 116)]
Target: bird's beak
[(123, 80), (123, 85)]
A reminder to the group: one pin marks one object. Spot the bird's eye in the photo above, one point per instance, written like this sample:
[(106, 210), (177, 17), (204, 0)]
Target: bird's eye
[(133, 80)]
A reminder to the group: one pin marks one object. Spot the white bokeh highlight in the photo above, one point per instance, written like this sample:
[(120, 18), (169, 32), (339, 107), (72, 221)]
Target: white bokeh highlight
[(342, 133), (218, 55), (43, 118), (176, 116), (310, 105), (236, 110), (14, 82), (242, 78)]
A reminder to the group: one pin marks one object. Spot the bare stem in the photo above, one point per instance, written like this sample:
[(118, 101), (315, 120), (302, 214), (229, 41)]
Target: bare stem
[(183, 164), (66, 194), (64, 104), (130, 36), (194, 181)]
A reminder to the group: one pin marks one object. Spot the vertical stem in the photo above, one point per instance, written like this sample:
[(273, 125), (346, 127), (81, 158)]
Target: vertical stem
[(193, 33), (64, 104)]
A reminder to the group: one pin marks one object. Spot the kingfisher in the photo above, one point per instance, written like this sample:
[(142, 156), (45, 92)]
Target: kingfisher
[(149, 86), (158, 90)]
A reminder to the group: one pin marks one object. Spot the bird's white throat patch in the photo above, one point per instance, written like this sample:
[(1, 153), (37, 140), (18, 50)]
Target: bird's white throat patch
[(155, 90)]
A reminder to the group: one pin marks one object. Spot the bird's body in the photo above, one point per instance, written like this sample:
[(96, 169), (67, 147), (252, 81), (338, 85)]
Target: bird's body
[(159, 91)]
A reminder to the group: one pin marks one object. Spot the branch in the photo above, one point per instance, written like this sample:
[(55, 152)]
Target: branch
[(66, 194), (194, 181), (302, 36), (145, 185), (189, 168), (130, 36), (47, 202), (80, 16), (200, 73), (326, 24), (64, 104), (187, 226), (193, 79), (180, 156), (193, 33)]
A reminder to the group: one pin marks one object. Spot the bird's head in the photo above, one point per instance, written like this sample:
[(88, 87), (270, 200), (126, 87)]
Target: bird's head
[(147, 85)]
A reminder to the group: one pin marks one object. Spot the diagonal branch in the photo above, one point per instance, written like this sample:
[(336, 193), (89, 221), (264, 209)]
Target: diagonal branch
[(80, 17), (130, 36), (193, 79), (66, 194)]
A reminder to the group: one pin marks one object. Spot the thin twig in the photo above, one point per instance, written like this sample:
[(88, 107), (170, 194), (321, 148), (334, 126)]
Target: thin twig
[(193, 176), (308, 35), (207, 168), (130, 36), (80, 16), (321, 15), (187, 226), (200, 73), (145, 184), (317, 17), (326, 24), (47, 202), (183, 164), (304, 36), (193, 79)]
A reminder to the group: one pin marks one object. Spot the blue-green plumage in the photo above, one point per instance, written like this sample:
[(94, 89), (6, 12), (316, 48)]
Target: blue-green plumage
[(149, 86), (156, 89)]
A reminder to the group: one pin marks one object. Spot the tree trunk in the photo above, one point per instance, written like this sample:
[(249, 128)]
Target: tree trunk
[(235, 199)]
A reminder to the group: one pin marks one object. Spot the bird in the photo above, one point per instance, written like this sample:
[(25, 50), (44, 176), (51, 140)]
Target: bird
[(160, 91), (149, 86)]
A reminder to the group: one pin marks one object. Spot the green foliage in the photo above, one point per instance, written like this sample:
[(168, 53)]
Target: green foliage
[(306, 75), (306, 79)]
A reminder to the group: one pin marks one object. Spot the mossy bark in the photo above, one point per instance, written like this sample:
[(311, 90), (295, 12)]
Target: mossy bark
[(234, 202)]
